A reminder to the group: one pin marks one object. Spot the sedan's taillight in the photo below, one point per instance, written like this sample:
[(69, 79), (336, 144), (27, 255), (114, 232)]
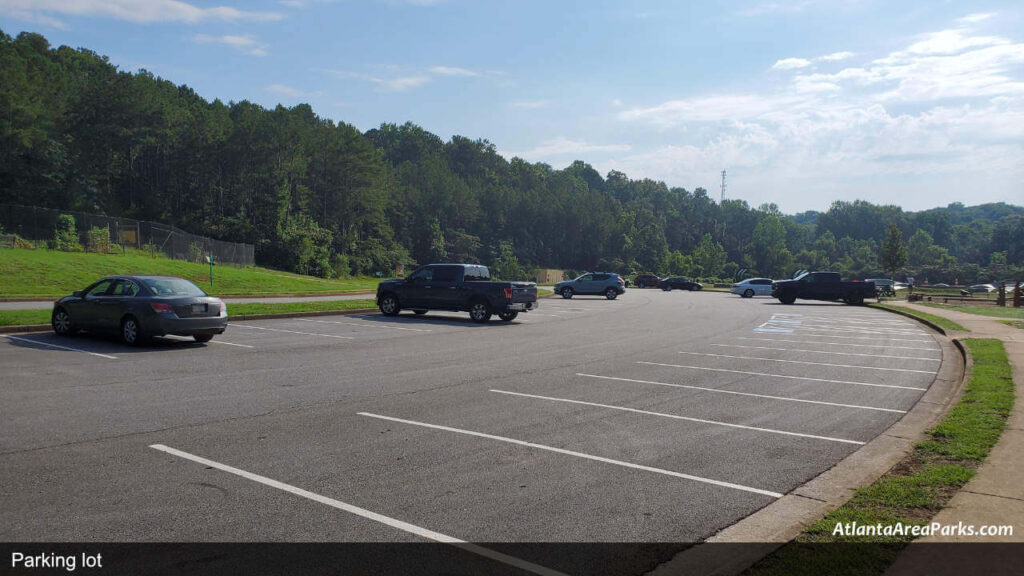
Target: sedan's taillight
[(509, 292), (160, 308)]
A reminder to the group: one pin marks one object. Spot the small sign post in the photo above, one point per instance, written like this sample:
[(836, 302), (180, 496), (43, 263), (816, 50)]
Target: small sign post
[(210, 260)]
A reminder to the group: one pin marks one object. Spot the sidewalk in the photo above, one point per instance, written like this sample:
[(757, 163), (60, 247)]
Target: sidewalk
[(995, 496)]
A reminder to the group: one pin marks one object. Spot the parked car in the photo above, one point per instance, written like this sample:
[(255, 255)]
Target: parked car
[(822, 286), (753, 287), (647, 281), (139, 307), (981, 288), (940, 285), (610, 284), (680, 282), (456, 287), (883, 286)]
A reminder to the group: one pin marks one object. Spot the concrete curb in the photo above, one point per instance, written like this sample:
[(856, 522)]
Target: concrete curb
[(783, 520), (927, 323)]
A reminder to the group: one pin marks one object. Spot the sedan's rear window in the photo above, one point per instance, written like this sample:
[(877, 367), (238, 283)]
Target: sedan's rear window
[(172, 287)]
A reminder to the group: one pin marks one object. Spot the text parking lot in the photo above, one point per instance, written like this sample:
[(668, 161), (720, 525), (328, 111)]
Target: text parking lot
[(657, 417)]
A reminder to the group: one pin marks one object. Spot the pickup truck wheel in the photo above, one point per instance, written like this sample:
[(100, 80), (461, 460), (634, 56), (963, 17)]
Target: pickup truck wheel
[(666, 288), (419, 312), (640, 285), (610, 294), (855, 299), (787, 298), (479, 311), (389, 305), (508, 316), (567, 293), (748, 293)]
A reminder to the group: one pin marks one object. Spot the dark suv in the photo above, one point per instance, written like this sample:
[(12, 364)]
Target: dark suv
[(609, 284), (680, 283), (647, 281)]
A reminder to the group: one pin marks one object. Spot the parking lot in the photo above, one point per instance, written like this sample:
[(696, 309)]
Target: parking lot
[(657, 417)]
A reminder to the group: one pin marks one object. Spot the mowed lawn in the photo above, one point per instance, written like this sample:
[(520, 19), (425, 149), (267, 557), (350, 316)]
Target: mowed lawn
[(44, 273), (1007, 311)]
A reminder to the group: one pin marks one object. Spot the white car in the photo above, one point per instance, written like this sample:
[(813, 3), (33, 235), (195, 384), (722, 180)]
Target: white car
[(753, 287)]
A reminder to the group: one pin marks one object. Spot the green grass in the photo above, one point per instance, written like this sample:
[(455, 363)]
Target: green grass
[(915, 489), (51, 274), (939, 321), (23, 317), (992, 311), (1013, 323)]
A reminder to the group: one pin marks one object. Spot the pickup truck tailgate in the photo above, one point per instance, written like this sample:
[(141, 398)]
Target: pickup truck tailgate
[(524, 292)]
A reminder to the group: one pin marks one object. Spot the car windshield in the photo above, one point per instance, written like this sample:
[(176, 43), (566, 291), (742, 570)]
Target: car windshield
[(172, 287)]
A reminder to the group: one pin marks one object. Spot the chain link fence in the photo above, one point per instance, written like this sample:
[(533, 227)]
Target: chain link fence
[(40, 224)]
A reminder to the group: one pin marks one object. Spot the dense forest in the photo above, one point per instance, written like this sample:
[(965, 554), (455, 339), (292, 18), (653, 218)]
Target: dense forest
[(323, 198)]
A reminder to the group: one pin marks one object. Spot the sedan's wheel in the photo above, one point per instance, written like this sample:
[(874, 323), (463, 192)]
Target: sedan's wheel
[(389, 305), (567, 293), (666, 288), (131, 331), (639, 284), (203, 337), (610, 293), (509, 315), (479, 311), (748, 293), (419, 312), (61, 323)]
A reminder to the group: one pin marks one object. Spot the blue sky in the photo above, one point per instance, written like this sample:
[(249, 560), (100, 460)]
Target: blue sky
[(803, 102)]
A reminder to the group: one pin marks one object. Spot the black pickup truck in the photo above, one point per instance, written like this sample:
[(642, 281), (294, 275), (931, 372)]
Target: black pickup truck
[(822, 286), (456, 287)]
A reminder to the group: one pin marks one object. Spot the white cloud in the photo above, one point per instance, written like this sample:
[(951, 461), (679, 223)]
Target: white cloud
[(291, 92), (835, 56), (140, 11), (952, 42), (791, 63), (452, 71), (244, 44), (975, 18), (564, 147)]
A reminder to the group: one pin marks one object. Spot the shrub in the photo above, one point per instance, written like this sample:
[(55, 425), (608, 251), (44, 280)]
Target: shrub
[(195, 252), (65, 236), (98, 240), (151, 248)]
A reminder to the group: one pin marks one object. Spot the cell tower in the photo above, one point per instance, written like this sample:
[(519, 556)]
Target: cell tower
[(722, 199)]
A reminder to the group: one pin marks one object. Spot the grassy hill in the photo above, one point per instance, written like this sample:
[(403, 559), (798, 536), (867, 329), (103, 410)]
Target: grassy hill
[(50, 274)]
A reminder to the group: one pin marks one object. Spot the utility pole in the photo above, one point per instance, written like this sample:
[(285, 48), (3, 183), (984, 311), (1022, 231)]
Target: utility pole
[(722, 199)]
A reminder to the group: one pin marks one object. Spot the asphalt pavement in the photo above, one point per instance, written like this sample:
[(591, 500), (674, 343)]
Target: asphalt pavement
[(656, 417)]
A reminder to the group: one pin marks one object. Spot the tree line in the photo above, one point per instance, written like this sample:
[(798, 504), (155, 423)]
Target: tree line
[(319, 197)]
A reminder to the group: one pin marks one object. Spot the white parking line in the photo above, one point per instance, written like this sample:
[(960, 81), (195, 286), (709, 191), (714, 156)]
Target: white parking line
[(809, 363), (677, 417), (293, 332), (838, 343), (863, 330), (827, 352), (61, 347), (781, 376), (388, 521), (366, 325), (214, 341), (847, 320), (579, 455), (717, 390), (875, 338)]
